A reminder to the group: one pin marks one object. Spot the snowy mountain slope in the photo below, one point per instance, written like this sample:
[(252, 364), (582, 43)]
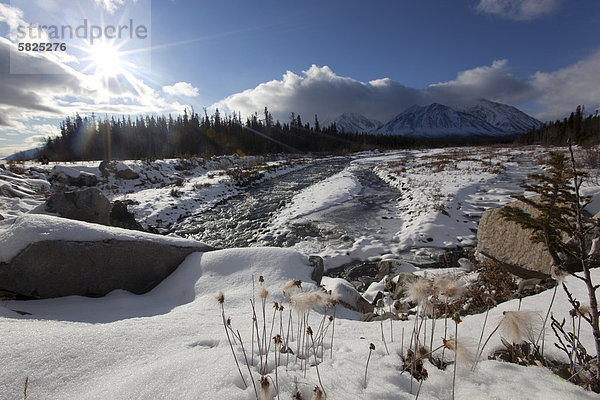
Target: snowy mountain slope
[(354, 122), (25, 154), (483, 117), (436, 120), (502, 116)]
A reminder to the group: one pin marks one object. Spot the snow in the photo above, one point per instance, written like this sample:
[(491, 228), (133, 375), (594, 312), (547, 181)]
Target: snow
[(30, 228), (443, 193), (169, 343)]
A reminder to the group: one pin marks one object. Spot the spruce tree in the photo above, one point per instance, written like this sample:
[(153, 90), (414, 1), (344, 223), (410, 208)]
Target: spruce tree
[(553, 206), (561, 224)]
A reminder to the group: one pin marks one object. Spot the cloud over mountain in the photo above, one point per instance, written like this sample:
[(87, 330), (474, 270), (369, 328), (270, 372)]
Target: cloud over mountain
[(492, 82), (320, 90)]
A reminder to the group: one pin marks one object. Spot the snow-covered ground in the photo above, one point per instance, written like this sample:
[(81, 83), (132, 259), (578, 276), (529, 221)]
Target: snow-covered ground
[(170, 343), (165, 192)]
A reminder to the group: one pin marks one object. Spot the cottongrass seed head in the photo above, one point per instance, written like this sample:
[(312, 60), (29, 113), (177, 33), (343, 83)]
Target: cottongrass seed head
[(558, 274), (324, 299), (453, 291), (291, 287), (463, 349), (262, 293), (220, 297), (266, 389), (519, 326), (419, 291), (317, 393), (304, 301), (440, 283)]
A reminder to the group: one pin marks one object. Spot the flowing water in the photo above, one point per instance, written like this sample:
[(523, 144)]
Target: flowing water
[(244, 220)]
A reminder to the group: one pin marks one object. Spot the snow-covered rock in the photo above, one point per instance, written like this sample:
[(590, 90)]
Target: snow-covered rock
[(72, 176), (346, 294), (45, 256)]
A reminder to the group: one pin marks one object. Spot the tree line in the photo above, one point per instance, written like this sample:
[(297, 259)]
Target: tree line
[(192, 134), (582, 130)]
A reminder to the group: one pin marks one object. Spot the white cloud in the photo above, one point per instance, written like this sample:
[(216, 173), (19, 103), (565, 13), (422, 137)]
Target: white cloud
[(110, 5), (519, 10), (493, 82), (11, 15), (562, 90), (181, 89), (320, 90)]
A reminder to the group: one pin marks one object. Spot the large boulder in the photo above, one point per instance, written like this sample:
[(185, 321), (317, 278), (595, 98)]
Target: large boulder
[(511, 246), (64, 268), (88, 205), (48, 257)]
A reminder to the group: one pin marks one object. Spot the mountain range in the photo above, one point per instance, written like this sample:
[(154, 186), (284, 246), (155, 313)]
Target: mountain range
[(479, 118)]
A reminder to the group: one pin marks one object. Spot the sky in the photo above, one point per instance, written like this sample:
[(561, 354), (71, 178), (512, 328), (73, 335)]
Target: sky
[(374, 57)]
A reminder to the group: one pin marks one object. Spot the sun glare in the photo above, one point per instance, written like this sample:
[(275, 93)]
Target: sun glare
[(105, 59)]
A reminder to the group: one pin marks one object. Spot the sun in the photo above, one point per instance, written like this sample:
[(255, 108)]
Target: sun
[(105, 59), (107, 67)]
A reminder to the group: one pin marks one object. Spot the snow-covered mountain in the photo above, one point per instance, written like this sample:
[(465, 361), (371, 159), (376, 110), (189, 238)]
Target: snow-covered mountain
[(502, 116), (354, 122), (481, 118), (435, 120)]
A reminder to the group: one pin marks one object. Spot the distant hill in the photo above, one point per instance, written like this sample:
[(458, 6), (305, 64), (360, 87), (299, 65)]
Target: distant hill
[(24, 155)]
